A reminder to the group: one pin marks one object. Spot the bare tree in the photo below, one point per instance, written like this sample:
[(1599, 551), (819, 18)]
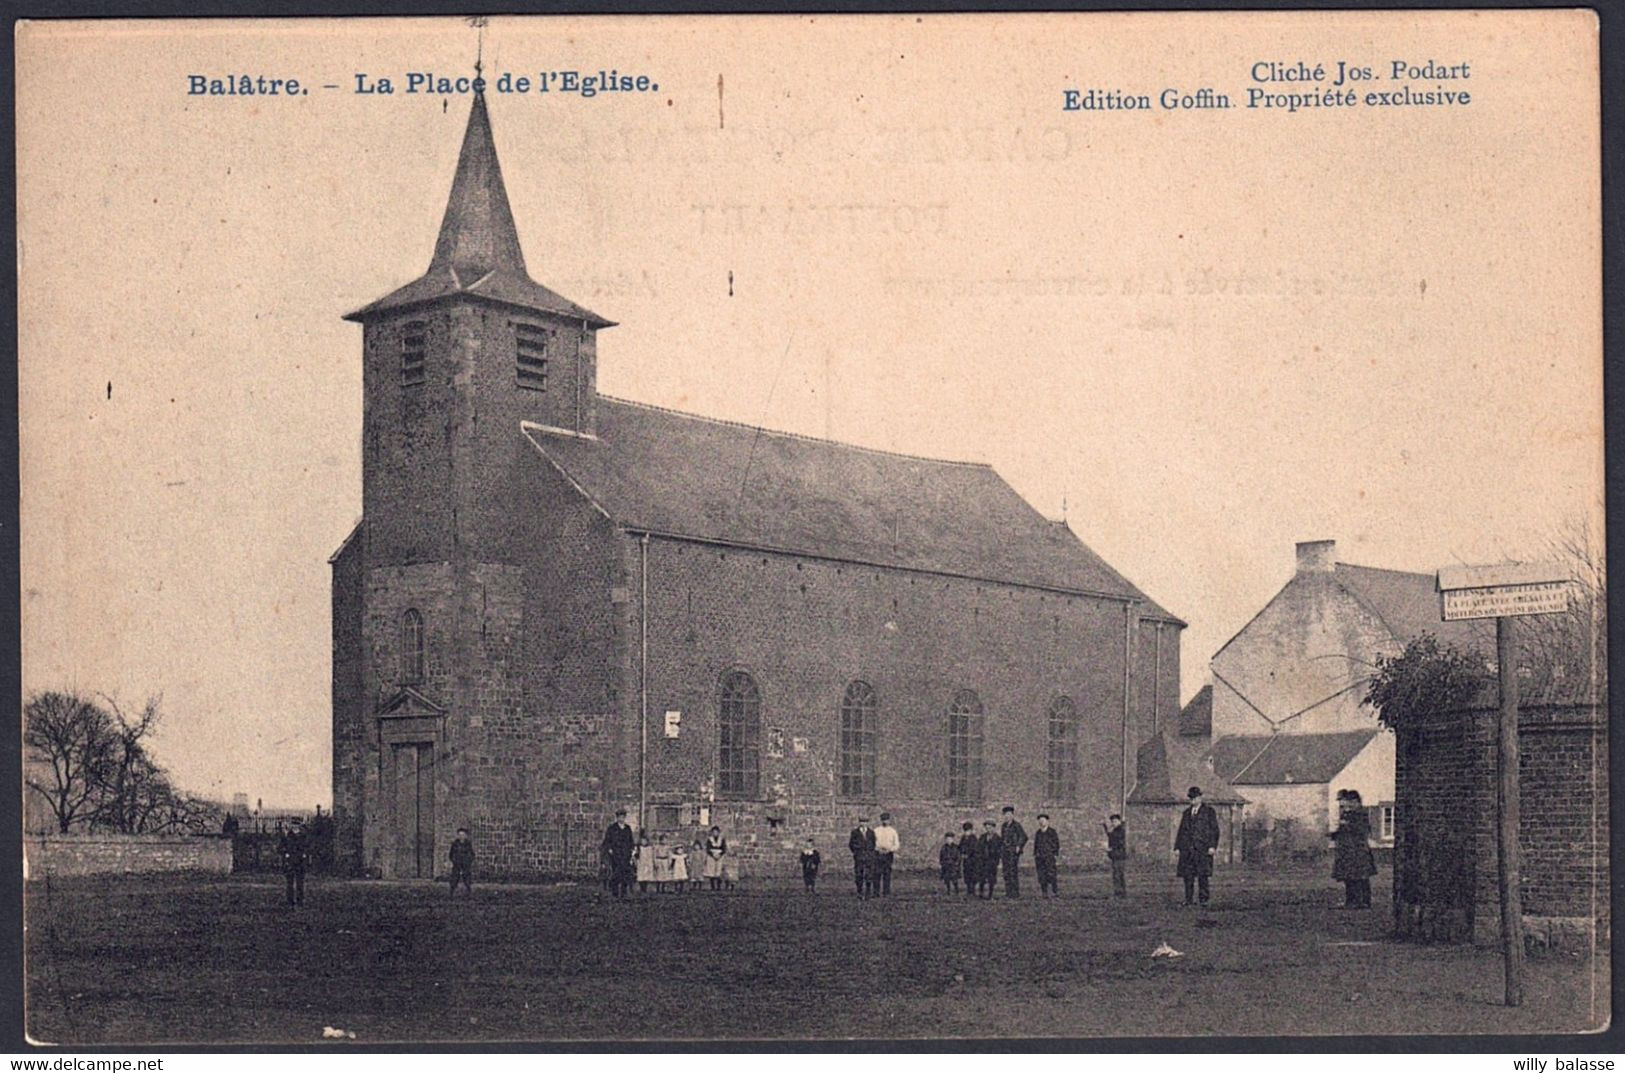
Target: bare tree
[(70, 743), (132, 785), (1565, 656)]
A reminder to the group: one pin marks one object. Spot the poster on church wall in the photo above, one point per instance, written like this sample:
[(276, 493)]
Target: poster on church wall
[(1048, 428)]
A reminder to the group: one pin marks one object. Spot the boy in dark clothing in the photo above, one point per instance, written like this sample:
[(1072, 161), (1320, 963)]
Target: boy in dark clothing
[(462, 862), (1117, 853), (810, 860), (1046, 847), (969, 858), (991, 849), (295, 853), (948, 859)]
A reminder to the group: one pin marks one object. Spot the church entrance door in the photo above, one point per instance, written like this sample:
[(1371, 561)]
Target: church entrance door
[(413, 767)]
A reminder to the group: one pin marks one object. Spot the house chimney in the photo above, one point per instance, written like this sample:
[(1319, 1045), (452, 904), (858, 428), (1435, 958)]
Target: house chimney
[(1316, 556)]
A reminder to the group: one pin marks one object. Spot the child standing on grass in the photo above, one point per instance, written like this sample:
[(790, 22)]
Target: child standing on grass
[(810, 860), (696, 864), (948, 860), (679, 868), (645, 857), (662, 863)]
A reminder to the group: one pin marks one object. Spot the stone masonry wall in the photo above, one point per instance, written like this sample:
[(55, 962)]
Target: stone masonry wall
[(350, 709), (93, 854)]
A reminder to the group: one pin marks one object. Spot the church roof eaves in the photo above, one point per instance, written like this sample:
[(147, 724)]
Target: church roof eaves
[(703, 480)]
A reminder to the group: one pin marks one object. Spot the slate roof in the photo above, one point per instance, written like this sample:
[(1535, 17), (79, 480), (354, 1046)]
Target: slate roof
[(1408, 604), (1284, 759), (1167, 766), (1196, 718), (683, 475), (477, 252)]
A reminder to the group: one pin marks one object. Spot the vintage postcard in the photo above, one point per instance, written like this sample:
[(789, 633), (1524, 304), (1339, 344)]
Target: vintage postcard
[(540, 529)]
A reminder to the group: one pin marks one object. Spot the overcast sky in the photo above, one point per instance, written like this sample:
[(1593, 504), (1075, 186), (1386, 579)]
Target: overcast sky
[(1209, 334)]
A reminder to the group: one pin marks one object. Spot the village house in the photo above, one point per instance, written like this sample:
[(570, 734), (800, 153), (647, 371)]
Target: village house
[(557, 603), (1288, 720)]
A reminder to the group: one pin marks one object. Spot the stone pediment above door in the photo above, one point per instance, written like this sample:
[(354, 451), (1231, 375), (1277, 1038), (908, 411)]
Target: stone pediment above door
[(408, 703)]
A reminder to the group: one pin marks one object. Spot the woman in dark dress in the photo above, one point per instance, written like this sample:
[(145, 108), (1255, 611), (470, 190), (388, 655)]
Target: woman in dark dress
[(1353, 863)]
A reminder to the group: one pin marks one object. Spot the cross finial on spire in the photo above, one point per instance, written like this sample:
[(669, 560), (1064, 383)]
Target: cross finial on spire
[(479, 22)]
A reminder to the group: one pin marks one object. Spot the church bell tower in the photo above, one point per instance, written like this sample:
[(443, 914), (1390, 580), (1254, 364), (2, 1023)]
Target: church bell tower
[(434, 582)]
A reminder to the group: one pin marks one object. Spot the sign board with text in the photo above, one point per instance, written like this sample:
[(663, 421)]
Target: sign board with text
[(1502, 591)]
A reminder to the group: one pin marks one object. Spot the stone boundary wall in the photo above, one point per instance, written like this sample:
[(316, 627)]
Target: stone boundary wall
[(96, 854)]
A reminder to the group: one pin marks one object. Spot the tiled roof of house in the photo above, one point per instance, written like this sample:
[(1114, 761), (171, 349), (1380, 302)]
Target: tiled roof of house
[(1408, 604), (687, 476), (1284, 759)]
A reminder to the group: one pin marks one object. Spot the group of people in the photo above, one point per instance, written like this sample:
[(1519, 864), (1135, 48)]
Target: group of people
[(976, 860), (626, 859)]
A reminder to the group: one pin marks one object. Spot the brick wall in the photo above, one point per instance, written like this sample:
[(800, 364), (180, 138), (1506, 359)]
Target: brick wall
[(78, 855), (1445, 853)]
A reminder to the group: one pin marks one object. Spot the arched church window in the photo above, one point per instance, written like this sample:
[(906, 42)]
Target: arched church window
[(411, 647), (856, 753), (1061, 786), (739, 733), (965, 748)]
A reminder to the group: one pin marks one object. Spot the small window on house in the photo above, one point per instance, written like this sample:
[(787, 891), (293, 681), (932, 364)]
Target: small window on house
[(411, 647), (530, 355), (856, 757), (1385, 823), (739, 734), (965, 748), (667, 817), (1062, 782), (414, 350)]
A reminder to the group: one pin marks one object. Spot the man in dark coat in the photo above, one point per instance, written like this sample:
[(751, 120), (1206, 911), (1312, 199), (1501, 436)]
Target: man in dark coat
[(617, 846), (295, 852), (462, 862), (1012, 840), (862, 845), (970, 856), (1046, 848), (1196, 841), (990, 852)]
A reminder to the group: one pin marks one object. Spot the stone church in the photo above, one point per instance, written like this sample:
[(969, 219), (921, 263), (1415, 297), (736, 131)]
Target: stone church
[(558, 603)]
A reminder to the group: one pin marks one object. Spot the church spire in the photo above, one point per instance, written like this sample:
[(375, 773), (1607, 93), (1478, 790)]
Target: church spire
[(477, 233), (477, 253)]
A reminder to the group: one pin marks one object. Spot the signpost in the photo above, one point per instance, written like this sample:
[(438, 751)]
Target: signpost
[(1504, 592)]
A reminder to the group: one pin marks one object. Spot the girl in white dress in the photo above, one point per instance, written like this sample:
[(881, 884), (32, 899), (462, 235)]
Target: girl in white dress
[(645, 856), (662, 863)]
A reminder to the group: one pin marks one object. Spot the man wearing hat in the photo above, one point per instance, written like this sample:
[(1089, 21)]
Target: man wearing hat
[(1012, 840), (1195, 842), (887, 845), (862, 845), (617, 847), (295, 853)]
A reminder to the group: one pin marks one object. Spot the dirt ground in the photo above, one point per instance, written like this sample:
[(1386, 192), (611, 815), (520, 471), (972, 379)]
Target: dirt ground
[(171, 959)]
